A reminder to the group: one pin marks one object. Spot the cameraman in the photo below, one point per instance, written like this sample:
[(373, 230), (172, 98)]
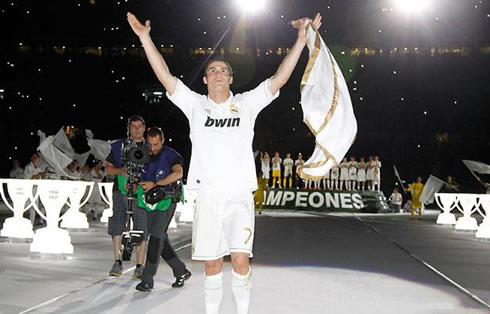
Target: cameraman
[(117, 223), (165, 167)]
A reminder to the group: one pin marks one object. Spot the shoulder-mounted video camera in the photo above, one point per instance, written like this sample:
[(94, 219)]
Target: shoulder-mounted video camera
[(161, 192)]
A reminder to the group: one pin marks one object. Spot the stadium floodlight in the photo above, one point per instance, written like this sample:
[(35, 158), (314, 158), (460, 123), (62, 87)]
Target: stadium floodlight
[(412, 6), (251, 6)]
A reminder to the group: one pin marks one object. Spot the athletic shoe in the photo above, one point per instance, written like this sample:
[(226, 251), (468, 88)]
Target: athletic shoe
[(420, 218), (116, 269), (143, 287), (179, 281), (138, 272)]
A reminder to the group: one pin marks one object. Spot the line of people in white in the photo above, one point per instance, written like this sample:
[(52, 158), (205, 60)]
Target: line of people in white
[(348, 175), (39, 169)]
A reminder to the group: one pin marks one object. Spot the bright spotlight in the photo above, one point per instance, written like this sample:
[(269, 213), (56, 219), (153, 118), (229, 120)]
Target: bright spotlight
[(251, 5), (412, 6)]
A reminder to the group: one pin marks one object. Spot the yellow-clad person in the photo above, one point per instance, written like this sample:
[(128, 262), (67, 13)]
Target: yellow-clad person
[(416, 189), (259, 193), (276, 170)]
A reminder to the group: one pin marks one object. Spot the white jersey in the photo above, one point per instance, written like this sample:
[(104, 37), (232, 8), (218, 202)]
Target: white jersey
[(298, 163), (335, 173), (225, 129), (344, 171), (361, 173), (276, 163), (31, 171), (266, 164), (377, 170), (353, 170), (288, 164), (17, 173)]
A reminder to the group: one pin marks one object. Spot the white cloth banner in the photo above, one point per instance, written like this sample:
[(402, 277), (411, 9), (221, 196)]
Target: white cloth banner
[(431, 187), (55, 157), (99, 148), (477, 166), (327, 109)]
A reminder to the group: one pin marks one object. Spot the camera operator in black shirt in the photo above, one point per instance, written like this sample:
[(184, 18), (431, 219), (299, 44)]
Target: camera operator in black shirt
[(117, 223), (159, 191)]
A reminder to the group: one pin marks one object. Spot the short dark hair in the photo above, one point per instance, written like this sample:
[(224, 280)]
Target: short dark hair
[(217, 59), (136, 117), (155, 131)]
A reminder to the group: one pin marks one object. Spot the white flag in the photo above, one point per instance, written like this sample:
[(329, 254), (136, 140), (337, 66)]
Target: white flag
[(99, 148), (327, 109), (57, 159), (477, 166), (431, 187)]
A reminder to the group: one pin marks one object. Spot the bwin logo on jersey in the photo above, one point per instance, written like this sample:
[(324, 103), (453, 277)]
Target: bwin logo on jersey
[(220, 123)]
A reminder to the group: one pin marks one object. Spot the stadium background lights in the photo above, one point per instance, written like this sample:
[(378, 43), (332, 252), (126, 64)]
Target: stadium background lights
[(251, 6)]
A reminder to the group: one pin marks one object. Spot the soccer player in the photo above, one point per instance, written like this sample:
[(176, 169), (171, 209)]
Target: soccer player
[(298, 163), (352, 174), (376, 174), (335, 178), (265, 164), (222, 124), (416, 189), (326, 181), (361, 174), (344, 174), (276, 169), (288, 164), (370, 173)]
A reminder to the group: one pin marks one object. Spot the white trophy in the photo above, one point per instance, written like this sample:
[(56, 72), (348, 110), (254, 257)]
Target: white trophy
[(73, 218), (52, 239), (105, 190), (467, 204), (446, 202), (20, 191), (484, 228)]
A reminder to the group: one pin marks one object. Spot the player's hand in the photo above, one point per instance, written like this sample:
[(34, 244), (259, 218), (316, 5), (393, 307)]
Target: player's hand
[(301, 24), (147, 185), (138, 28)]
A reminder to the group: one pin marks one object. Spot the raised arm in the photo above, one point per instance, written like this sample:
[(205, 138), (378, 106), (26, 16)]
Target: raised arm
[(155, 58), (288, 64)]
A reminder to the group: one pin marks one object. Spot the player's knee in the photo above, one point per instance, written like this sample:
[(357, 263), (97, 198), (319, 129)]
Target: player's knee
[(240, 263), (213, 267)]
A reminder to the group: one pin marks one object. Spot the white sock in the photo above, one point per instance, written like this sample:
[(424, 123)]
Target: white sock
[(213, 293), (241, 286)]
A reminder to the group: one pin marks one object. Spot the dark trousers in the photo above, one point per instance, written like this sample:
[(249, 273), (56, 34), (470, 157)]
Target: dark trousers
[(159, 245)]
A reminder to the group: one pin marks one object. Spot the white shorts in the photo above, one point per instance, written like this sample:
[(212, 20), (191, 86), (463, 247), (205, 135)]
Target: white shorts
[(265, 173), (224, 223), (288, 172)]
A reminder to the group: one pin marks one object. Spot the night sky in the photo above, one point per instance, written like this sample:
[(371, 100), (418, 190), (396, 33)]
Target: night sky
[(420, 82)]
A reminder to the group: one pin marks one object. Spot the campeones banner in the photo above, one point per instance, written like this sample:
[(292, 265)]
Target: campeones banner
[(313, 200)]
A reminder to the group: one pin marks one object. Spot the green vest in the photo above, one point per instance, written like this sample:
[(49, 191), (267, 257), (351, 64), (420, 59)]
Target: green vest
[(140, 193)]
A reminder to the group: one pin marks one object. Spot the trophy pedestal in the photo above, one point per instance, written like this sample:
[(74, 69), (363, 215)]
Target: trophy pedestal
[(17, 227), (467, 224), (105, 215), (446, 219), (52, 241), (484, 229), (75, 220)]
